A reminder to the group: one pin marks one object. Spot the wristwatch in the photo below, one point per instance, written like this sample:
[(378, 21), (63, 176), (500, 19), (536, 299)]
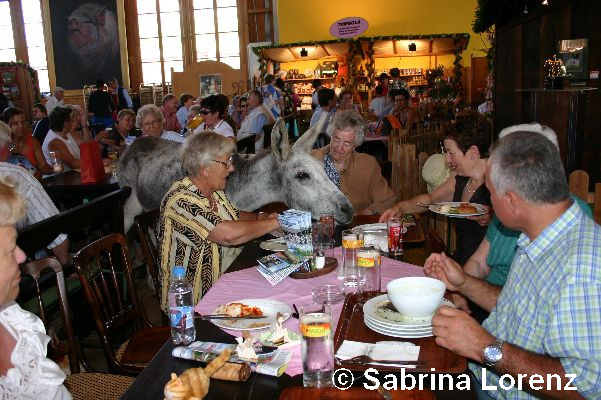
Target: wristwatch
[(493, 353)]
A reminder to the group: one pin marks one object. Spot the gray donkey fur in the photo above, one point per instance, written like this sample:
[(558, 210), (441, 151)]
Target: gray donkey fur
[(287, 174)]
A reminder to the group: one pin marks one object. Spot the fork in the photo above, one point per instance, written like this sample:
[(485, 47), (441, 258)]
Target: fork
[(365, 359)]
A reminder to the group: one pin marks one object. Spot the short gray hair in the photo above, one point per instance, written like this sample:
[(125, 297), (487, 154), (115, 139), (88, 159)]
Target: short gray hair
[(529, 165), (200, 148), (148, 109), (5, 137), (346, 119)]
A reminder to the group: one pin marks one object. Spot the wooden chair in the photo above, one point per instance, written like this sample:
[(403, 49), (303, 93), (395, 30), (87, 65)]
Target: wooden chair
[(128, 339), (597, 203), (578, 182), (83, 386), (148, 234)]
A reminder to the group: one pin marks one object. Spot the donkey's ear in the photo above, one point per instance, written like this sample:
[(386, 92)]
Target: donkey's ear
[(307, 140), (280, 146)]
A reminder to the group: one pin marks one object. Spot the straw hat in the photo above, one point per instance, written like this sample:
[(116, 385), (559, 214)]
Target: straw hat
[(435, 171)]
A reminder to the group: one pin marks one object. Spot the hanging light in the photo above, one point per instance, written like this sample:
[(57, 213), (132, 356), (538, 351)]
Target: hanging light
[(304, 52), (545, 2), (412, 46), (525, 9)]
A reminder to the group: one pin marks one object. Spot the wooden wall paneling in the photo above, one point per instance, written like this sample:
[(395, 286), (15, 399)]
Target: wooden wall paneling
[(133, 43), (189, 80), (508, 77), (584, 23), (479, 74)]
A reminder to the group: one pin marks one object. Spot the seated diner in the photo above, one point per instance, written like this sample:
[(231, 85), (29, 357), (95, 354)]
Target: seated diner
[(357, 175), (466, 147), (150, 120), (199, 228)]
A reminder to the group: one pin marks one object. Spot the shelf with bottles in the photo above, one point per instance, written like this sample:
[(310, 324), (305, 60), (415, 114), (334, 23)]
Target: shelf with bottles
[(308, 79)]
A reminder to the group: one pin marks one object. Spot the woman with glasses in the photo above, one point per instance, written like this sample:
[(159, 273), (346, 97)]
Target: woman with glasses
[(24, 145), (150, 120), (211, 108), (199, 228), (357, 175), (466, 144)]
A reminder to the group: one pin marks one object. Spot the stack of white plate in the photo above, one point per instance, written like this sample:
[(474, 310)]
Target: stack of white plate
[(380, 318)]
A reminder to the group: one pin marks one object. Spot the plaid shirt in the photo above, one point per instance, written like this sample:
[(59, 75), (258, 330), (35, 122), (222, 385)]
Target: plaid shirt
[(551, 303)]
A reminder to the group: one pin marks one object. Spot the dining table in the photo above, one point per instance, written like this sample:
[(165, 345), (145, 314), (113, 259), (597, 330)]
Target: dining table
[(67, 187), (243, 281)]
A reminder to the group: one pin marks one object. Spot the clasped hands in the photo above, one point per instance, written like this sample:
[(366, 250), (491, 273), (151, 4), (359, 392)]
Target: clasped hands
[(453, 328)]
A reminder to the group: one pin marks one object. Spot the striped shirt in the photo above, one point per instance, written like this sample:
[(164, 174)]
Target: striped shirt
[(39, 205), (551, 302), (185, 223)]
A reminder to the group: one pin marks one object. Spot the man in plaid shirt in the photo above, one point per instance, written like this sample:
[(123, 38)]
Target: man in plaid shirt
[(543, 335)]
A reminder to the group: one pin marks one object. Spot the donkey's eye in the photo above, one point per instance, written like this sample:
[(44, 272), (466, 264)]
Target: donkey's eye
[(302, 176)]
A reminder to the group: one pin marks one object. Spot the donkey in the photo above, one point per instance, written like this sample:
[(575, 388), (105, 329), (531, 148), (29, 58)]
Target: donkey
[(284, 173)]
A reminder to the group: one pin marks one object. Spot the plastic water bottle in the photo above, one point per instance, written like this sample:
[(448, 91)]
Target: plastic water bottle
[(181, 309)]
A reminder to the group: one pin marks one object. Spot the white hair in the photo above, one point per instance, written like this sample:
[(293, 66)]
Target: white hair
[(533, 127)]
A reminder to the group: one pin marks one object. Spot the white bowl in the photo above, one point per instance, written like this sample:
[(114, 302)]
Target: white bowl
[(416, 296)]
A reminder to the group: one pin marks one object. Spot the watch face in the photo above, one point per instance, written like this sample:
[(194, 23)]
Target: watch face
[(492, 354)]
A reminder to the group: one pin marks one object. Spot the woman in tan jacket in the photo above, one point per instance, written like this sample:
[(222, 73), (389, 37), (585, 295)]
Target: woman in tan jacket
[(358, 175)]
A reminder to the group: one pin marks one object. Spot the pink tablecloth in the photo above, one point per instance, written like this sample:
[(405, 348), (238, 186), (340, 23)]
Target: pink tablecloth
[(250, 284)]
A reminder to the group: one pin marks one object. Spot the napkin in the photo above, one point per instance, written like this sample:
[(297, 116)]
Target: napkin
[(388, 350)]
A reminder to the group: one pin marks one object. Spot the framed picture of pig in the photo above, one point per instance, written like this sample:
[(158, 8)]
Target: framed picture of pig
[(87, 42)]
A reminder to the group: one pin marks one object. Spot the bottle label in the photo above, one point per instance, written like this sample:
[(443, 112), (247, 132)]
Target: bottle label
[(315, 330), (182, 317)]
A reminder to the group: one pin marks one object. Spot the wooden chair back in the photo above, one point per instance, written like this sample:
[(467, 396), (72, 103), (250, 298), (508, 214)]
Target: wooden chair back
[(147, 227), (578, 182), (105, 273), (597, 203), (51, 265)]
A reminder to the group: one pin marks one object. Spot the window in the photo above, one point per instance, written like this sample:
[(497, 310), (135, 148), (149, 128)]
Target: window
[(36, 46), (7, 47), (216, 31), (160, 39)]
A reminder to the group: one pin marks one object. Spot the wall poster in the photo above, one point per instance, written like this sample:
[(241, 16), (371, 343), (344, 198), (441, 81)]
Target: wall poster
[(88, 41)]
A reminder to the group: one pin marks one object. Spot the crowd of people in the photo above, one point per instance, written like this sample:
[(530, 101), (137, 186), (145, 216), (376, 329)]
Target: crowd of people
[(524, 276)]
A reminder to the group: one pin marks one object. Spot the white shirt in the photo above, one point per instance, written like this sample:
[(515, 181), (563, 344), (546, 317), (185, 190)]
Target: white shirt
[(52, 102), (377, 105), (39, 205), (222, 128), (70, 142), (34, 376)]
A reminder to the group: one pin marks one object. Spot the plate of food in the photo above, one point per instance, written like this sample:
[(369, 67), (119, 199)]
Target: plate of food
[(266, 308), (458, 209)]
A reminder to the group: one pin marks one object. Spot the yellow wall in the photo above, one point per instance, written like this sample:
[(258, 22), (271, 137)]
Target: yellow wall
[(311, 19)]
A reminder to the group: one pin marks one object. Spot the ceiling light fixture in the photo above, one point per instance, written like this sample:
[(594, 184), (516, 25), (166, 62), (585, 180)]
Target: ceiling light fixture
[(545, 2), (304, 52), (412, 46)]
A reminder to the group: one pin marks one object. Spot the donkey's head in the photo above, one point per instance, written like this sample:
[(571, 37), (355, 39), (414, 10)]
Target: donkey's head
[(304, 183)]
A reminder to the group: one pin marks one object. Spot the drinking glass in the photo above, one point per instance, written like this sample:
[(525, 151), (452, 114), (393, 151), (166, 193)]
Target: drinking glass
[(317, 344), (351, 241), (369, 271), (113, 156), (395, 237), (56, 162)]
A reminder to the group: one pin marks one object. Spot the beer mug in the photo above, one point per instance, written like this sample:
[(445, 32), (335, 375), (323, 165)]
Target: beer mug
[(195, 122)]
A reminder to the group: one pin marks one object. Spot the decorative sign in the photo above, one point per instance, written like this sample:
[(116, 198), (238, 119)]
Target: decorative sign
[(348, 27)]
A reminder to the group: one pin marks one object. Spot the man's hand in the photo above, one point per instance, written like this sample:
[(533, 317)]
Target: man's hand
[(460, 333), (392, 212), (441, 267), (460, 302)]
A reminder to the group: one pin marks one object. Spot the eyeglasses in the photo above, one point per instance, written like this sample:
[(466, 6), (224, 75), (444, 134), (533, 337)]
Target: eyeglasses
[(151, 123), (346, 145), (205, 112), (227, 164)]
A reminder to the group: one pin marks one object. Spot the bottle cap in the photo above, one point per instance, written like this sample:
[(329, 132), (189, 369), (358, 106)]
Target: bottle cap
[(179, 271)]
